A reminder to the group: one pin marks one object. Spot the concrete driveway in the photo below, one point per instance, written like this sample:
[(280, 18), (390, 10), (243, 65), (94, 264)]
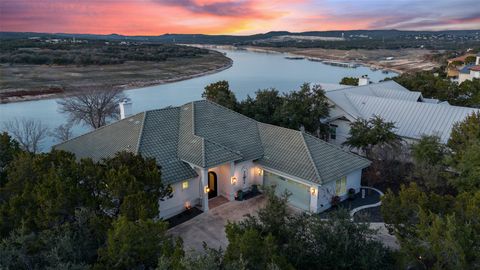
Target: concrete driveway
[(210, 227)]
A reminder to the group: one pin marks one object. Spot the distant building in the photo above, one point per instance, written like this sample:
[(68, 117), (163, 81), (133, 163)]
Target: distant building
[(412, 114), (456, 64), (470, 72)]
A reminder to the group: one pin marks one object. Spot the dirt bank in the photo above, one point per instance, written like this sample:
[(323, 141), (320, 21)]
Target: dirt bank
[(32, 82), (402, 60)]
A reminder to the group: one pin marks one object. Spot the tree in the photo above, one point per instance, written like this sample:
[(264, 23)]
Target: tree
[(434, 231), (9, 148), (63, 132), (470, 59), (468, 169), (304, 109), (220, 93), (469, 93), (134, 244), (28, 133), (430, 169), (289, 241), (366, 134), (93, 107), (264, 107), (463, 134), (349, 81)]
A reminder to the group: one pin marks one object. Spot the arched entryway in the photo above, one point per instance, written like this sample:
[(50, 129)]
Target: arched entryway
[(212, 185)]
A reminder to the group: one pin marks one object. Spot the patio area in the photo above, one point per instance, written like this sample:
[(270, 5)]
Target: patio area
[(360, 205)]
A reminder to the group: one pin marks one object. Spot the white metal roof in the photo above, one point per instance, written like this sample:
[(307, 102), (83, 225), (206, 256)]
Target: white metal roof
[(412, 119)]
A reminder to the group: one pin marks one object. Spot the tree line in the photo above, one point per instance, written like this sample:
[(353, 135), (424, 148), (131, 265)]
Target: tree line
[(300, 109), (93, 52)]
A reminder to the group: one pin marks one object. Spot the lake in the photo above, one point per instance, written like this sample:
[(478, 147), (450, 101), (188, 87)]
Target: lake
[(250, 71)]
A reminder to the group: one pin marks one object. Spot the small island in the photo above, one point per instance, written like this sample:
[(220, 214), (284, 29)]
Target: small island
[(36, 68)]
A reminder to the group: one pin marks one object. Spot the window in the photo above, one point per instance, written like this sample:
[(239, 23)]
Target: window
[(333, 132), (184, 184), (341, 186)]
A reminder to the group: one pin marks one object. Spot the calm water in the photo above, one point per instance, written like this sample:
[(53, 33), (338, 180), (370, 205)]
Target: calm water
[(250, 71)]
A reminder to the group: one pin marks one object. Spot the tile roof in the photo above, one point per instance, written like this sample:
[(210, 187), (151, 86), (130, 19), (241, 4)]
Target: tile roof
[(206, 134), (106, 141), (304, 156)]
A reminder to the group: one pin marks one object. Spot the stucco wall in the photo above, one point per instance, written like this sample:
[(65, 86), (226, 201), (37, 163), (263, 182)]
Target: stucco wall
[(327, 191), (176, 204)]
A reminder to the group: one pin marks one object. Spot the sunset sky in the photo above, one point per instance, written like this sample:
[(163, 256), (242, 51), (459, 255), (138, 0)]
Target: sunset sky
[(155, 17)]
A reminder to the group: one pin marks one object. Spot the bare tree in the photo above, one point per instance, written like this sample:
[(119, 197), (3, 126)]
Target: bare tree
[(93, 107), (29, 133), (63, 132)]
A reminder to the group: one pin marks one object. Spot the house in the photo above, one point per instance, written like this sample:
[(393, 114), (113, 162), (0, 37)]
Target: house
[(205, 150), (470, 72), (454, 65), (412, 114)]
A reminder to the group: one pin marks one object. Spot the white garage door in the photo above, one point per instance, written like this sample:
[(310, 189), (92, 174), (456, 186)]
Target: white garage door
[(300, 193)]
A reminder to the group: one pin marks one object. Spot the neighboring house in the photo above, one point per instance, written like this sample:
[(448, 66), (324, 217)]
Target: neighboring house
[(454, 65), (412, 114), (205, 150), (470, 72)]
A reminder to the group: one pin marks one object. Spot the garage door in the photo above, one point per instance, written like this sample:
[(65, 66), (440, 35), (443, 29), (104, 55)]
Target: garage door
[(300, 195)]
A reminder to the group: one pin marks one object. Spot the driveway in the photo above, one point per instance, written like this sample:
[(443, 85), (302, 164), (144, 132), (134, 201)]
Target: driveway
[(210, 227)]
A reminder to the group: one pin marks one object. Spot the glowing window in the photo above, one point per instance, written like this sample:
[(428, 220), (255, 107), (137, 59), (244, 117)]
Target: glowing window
[(185, 184), (341, 186)]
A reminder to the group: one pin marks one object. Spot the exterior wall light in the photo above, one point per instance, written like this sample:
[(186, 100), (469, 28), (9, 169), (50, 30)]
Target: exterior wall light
[(233, 180), (259, 171), (206, 189), (313, 191)]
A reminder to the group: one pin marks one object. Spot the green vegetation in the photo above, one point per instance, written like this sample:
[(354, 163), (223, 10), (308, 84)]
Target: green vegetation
[(91, 52), (299, 109), (349, 81), (277, 239), (56, 211), (436, 216), (368, 134), (434, 84)]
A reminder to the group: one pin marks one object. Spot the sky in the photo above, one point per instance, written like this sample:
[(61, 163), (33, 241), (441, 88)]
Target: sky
[(239, 17)]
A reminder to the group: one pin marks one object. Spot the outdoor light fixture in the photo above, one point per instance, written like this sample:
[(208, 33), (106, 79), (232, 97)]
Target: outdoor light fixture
[(313, 191), (188, 205), (259, 171), (206, 189), (233, 180)]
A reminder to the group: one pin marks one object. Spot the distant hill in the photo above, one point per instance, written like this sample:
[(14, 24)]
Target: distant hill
[(368, 39)]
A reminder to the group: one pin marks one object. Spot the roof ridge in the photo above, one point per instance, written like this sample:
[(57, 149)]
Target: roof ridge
[(221, 106), (317, 172), (92, 131), (140, 136), (221, 145), (336, 146), (414, 102)]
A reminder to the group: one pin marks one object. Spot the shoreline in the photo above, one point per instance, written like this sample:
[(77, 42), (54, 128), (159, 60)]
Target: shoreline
[(124, 87), (372, 64)]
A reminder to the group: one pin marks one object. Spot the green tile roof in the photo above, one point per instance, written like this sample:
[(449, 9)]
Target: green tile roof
[(206, 134)]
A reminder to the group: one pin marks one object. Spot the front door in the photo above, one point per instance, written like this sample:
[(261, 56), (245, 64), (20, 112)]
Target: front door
[(212, 185)]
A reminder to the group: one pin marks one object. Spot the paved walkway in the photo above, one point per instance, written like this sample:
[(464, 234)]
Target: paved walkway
[(210, 227)]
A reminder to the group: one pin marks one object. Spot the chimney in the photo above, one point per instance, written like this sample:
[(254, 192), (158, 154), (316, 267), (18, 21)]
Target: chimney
[(125, 108), (364, 80), (477, 61)]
